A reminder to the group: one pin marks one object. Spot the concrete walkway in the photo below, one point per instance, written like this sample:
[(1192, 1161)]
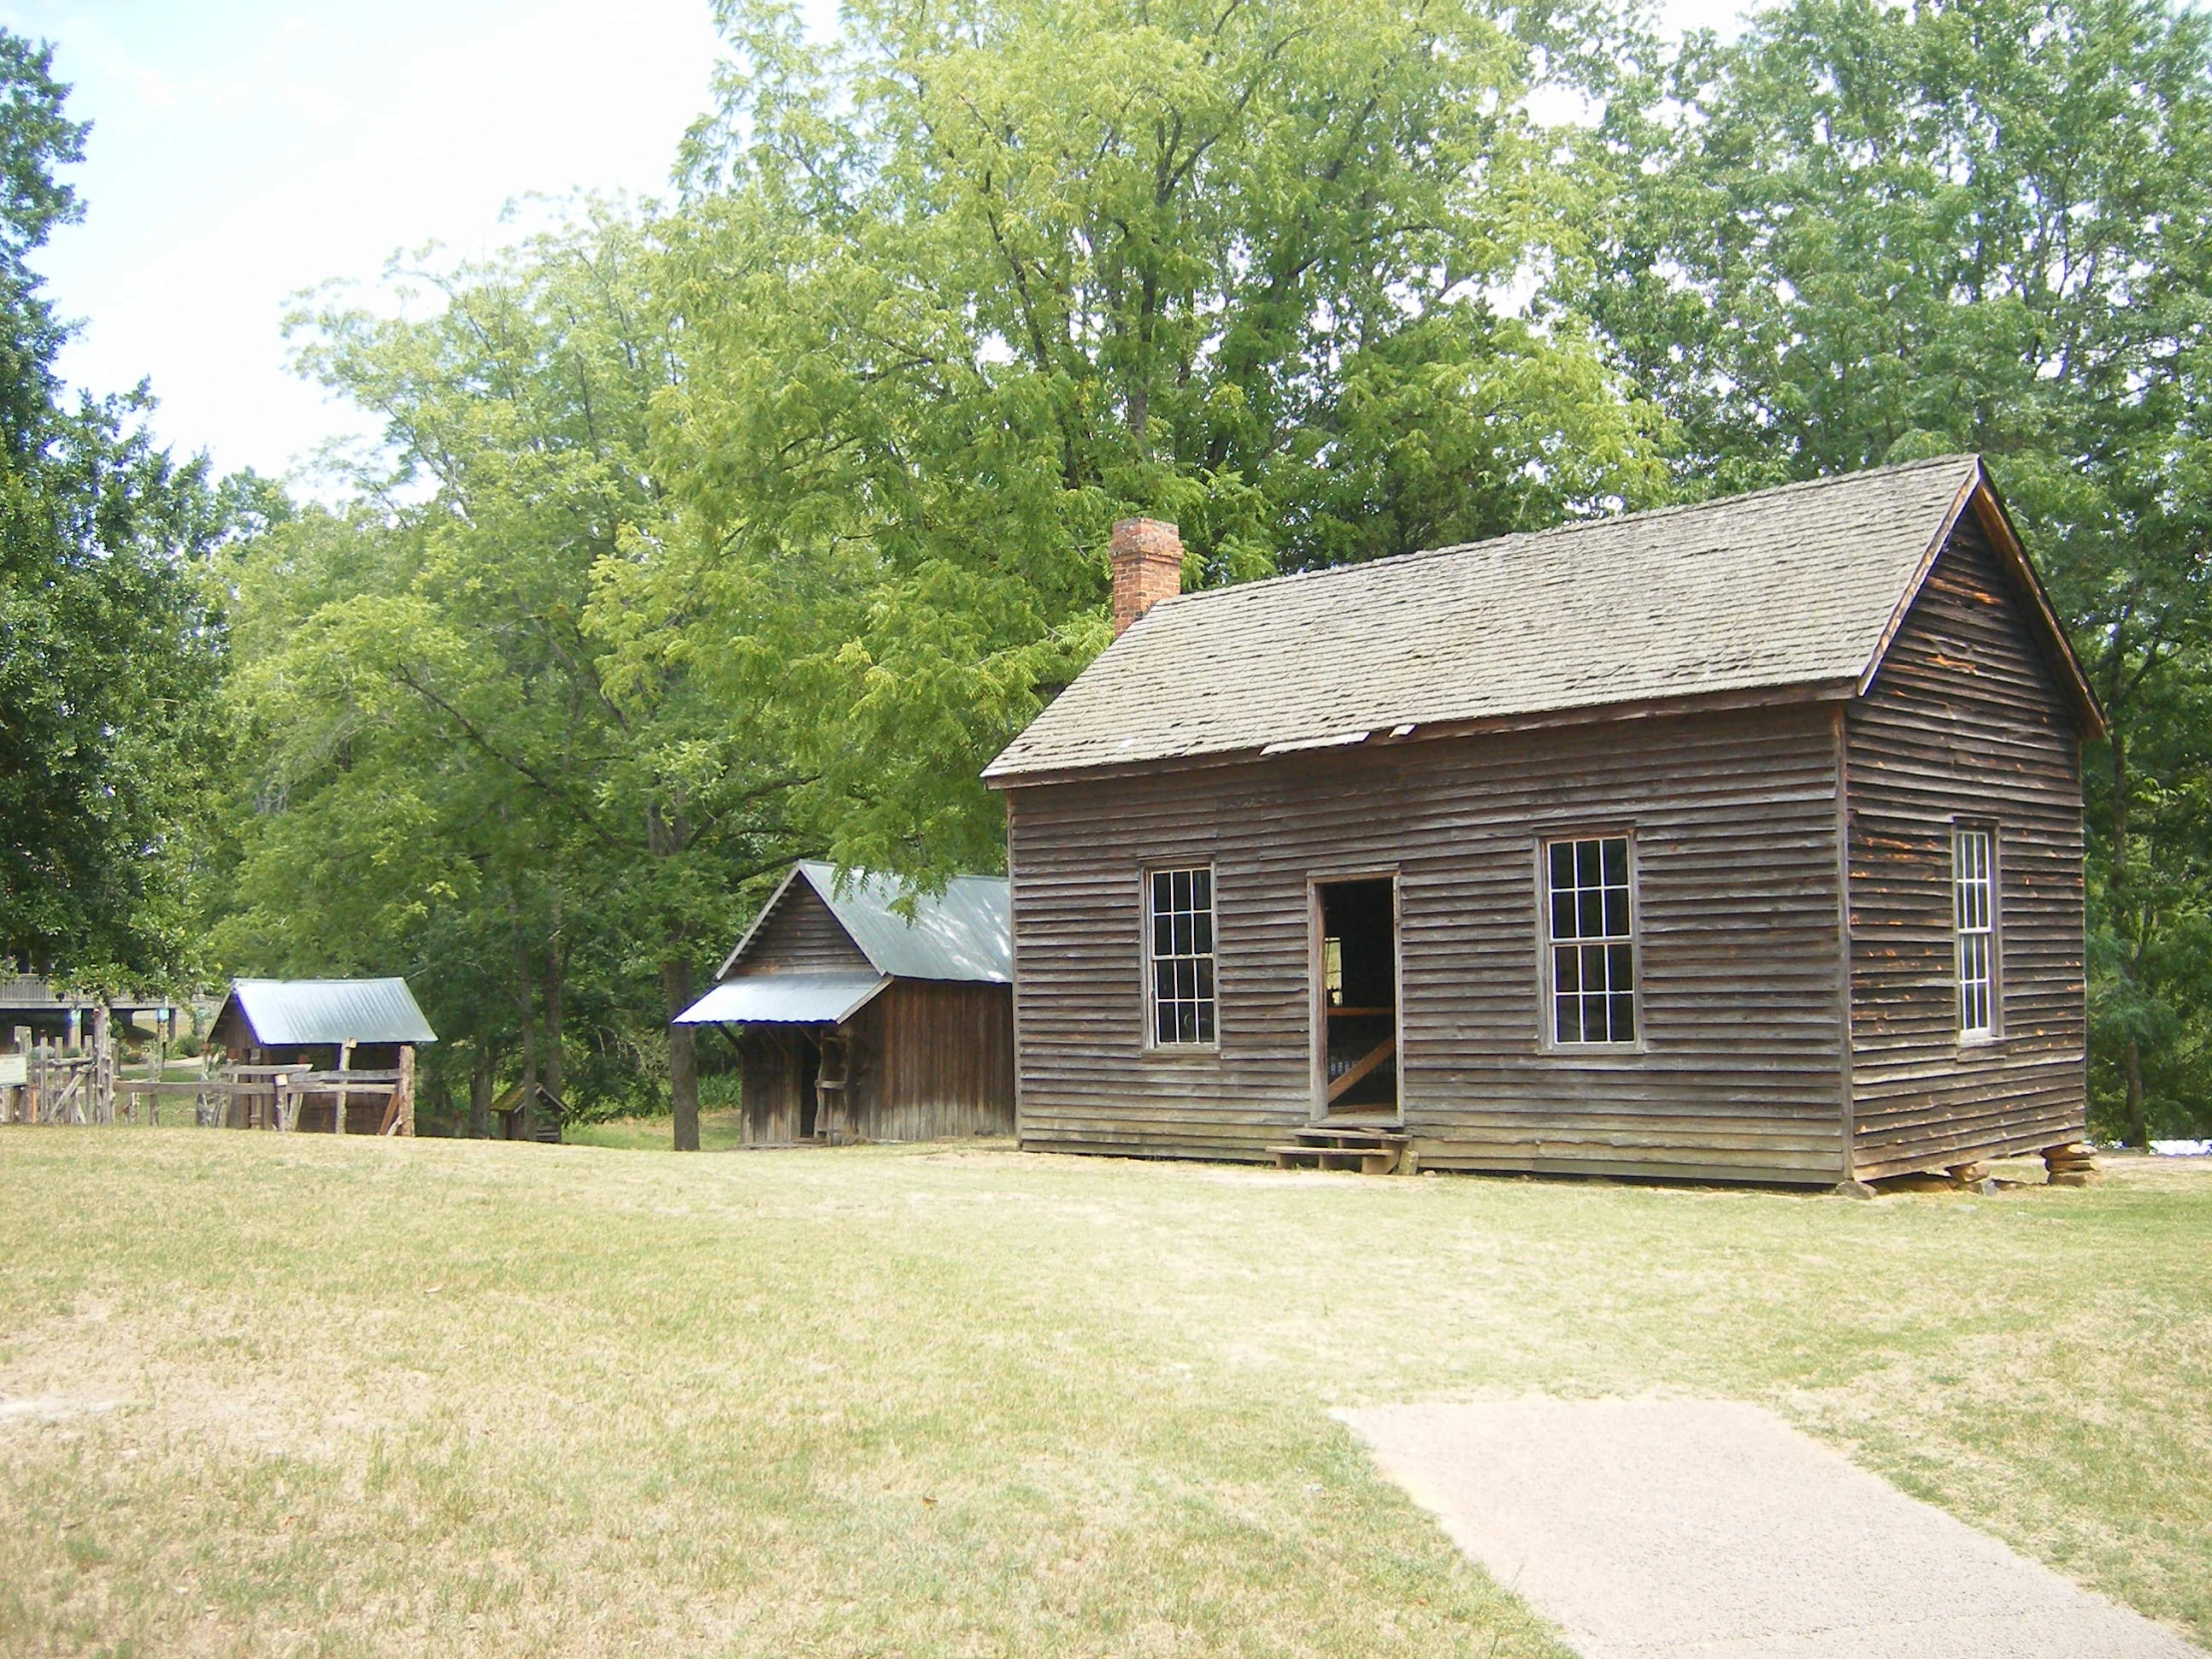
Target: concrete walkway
[(1660, 1529)]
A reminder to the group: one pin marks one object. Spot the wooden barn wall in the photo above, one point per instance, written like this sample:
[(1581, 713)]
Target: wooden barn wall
[(1964, 720), (1735, 816), (769, 1076), (802, 936), (934, 1060)]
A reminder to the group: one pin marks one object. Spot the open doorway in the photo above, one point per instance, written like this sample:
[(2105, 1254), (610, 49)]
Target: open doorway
[(1355, 996), (810, 1076)]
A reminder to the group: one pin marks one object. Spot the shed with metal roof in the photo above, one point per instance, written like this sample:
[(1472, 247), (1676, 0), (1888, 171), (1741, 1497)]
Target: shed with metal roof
[(863, 1009), (344, 1047), (1739, 841)]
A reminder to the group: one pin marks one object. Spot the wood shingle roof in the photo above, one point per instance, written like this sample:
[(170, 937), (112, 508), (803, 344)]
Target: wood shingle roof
[(1789, 589)]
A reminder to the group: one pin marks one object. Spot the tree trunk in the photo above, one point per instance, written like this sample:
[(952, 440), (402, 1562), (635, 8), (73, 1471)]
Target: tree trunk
[(2131, 1068), (479, 1094), (682, 1053), (556, 985), (668, 833)]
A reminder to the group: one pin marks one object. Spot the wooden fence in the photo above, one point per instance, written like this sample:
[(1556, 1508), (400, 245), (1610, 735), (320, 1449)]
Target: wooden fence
[(93, 1089)]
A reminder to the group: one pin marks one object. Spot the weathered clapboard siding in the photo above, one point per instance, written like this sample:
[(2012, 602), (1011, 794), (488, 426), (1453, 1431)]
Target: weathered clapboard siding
[(1967, 721), (934, 1061), (1734, 820), (769, 1112), (925, 1061), (800, 935)]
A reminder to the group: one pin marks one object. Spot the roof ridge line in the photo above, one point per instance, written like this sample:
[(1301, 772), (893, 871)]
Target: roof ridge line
[(1673, 510)]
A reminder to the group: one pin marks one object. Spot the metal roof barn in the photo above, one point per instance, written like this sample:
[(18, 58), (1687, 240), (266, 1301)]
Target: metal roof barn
[(855, 1021)]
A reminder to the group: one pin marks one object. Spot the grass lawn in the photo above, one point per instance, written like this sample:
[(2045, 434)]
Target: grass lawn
[(306, 1395), (719, 1130)]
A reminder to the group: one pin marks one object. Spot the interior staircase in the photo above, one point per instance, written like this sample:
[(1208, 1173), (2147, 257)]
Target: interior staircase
[(1360, 1147)]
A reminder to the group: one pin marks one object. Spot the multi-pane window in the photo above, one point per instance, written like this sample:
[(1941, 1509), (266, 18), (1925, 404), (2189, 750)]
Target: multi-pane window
[(1974, 919), (1591, 940), (1181, 902)]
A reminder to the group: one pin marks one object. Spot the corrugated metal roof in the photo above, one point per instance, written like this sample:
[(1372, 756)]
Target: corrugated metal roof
[(283, 1011), (964, 933), (784, 999), (1786, 587)]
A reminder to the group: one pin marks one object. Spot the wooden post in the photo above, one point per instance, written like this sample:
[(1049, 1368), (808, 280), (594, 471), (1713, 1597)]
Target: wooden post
[(100, 1078), (345, 1064), (399, 1115), (22, 1092)]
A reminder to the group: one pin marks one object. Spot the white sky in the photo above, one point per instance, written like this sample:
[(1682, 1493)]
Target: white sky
[(244, 149)]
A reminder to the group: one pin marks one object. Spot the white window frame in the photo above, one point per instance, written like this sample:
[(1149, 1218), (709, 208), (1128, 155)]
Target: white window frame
[(1205, 964), (1551, 945), (1975, 954)]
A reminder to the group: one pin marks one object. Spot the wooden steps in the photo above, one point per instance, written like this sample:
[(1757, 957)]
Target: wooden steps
[(1357, 1147)]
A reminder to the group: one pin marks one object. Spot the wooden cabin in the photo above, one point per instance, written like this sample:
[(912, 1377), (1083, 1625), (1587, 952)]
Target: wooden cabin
[(1739, 842), (324, 1027), (854, 1023)]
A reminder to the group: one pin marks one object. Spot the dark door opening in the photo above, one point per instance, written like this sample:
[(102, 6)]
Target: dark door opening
[(810, 1076), (1356, 975)]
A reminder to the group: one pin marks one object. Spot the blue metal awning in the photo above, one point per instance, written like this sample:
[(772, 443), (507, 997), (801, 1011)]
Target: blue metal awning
[(784, 999)]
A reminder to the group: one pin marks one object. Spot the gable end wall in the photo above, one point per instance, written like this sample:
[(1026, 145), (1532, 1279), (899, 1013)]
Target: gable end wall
[(802, 936), (1965, 721)]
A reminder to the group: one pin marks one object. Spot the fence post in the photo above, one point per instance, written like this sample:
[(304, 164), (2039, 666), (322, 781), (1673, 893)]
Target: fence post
[(100, 1079), (345, 1064)]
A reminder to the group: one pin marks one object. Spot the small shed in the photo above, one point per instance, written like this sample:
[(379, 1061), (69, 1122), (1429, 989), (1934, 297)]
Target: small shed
[(855, 1022), (325, 1026), (533, 1113)]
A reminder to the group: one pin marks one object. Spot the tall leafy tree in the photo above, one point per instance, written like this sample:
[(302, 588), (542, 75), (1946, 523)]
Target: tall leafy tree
[(452, 757), (957, 296), (109, 654), (1865, 232)]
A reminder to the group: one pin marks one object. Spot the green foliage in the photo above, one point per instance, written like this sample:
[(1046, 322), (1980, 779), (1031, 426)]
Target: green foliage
[(109, 651), (957, 296), (451, 769), (756, 526), (1864, 233)]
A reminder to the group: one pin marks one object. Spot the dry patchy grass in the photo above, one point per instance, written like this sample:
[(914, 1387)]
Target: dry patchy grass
[(305, 1396)]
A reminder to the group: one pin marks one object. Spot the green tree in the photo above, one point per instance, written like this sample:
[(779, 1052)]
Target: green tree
[(452, 763), (957, 296), (109, 654), (1866, 231)]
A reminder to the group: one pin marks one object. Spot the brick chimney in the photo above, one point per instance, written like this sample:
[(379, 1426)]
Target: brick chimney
[(1148, 567)]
